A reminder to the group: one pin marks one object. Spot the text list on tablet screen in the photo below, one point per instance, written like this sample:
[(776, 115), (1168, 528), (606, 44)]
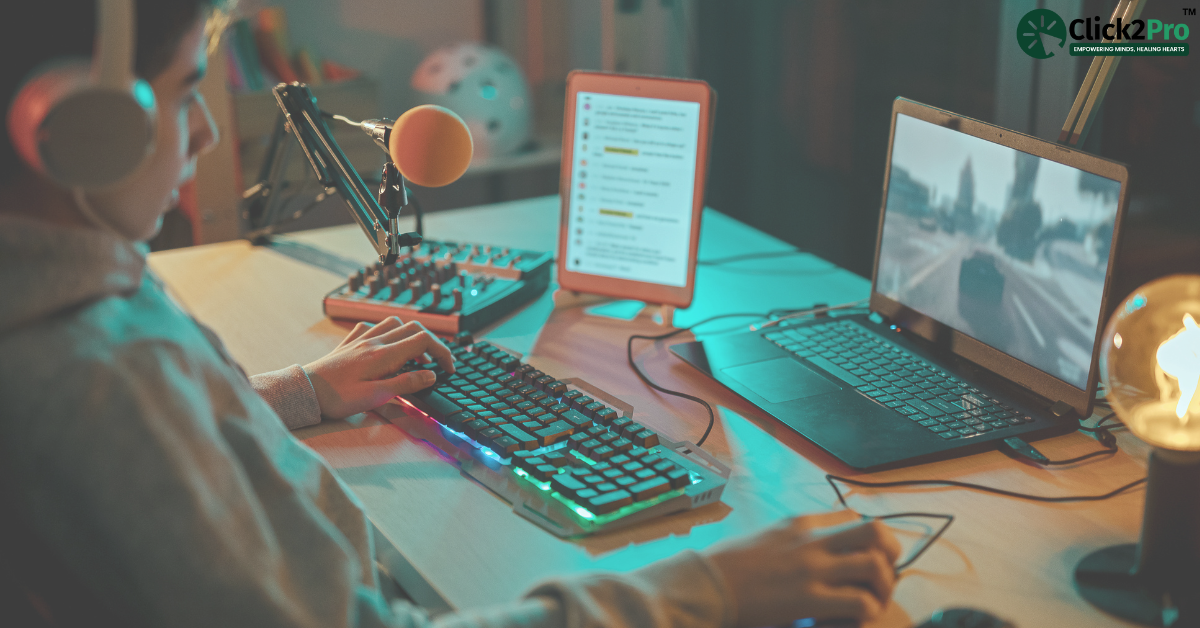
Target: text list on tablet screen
[(632, 184)]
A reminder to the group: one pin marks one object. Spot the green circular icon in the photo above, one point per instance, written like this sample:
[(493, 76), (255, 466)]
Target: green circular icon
[(1039, 32)]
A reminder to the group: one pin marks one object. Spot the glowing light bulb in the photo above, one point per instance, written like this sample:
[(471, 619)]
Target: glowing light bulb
[(1150, 362), (1179, 357)]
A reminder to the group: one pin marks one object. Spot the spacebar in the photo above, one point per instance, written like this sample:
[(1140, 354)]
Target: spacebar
[(836, 371)]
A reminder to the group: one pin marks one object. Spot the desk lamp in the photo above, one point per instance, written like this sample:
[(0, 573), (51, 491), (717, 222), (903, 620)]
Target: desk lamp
[(1150, 364)]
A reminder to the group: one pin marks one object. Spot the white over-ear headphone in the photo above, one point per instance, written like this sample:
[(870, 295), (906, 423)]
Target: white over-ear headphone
[(88, 126)]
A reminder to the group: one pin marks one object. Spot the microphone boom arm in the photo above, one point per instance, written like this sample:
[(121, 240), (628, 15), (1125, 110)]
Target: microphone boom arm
[(376, 215)]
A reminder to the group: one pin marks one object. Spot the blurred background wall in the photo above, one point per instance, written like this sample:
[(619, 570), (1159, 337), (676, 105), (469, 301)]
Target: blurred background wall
[(805, 90)]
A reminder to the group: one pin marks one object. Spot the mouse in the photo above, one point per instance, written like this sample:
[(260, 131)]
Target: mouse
[(964, 618)]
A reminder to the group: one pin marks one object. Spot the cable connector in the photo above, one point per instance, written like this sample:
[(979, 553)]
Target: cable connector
[(1025, 450)]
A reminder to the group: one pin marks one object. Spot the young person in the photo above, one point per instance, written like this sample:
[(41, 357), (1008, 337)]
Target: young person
[(147, 480)]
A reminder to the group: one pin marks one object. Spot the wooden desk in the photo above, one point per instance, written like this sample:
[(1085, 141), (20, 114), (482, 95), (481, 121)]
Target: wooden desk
[(454, 544)]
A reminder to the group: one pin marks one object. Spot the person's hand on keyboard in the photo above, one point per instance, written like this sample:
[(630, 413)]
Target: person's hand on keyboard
[(360, 374), (827, 566)]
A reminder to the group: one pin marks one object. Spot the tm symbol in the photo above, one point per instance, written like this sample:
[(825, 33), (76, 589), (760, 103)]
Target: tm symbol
[(1189, 11)]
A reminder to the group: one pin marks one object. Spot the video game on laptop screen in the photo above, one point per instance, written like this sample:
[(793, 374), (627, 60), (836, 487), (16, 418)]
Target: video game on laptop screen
[(1006, 247)]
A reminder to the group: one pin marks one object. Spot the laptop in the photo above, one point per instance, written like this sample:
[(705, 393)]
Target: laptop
[(993, 265)]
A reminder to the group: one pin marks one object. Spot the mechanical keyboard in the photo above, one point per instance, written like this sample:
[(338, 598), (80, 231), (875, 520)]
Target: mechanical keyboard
[(913, 388), (567, 456)]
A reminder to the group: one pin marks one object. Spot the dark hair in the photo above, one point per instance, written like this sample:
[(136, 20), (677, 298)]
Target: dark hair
[(49, 29)]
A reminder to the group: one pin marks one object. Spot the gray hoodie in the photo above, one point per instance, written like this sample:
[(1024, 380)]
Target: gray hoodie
[(162, 480)]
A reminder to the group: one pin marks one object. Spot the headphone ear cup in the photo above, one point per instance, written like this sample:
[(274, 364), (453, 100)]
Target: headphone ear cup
[(81, 135), (34, 100)]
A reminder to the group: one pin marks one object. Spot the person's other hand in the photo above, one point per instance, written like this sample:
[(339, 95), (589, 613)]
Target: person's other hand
[(826, 566), (360, 374)]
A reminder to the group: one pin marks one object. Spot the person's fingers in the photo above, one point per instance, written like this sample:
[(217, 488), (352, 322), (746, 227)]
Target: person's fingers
[(407, 383), (867, 535), (870, 569), (358, 330), (846, 602), (824, 519), (422, 343), (406, 330), (383, 327)]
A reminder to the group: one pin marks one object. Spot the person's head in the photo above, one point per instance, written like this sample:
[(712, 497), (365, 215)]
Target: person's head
[(171, 54)]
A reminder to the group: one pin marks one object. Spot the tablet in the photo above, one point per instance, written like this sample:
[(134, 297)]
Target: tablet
[(635, 158)]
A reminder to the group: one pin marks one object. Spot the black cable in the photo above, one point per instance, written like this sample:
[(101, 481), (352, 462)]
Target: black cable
[(1062, 499), (927, 515), (712, 417)]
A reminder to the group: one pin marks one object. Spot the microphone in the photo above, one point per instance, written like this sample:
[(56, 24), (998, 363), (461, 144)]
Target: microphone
[(430, 145)]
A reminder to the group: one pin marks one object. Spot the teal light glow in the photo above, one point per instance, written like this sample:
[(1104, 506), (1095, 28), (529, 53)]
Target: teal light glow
[(584, 512), (143, 94), (488, 92)]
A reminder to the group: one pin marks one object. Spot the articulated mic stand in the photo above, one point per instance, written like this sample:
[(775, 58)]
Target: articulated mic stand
[(377, 214)]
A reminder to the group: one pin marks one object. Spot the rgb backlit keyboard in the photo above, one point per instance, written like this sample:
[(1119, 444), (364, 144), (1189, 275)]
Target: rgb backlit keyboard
[(569, 457)]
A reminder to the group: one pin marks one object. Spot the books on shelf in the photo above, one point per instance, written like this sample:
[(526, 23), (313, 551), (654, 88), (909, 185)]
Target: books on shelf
[(260, 55)]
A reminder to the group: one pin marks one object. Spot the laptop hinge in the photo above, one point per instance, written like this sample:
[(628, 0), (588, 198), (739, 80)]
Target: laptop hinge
[(1061, 409)]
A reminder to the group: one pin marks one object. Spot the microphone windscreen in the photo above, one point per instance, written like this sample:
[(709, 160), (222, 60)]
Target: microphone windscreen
[(430, 145)]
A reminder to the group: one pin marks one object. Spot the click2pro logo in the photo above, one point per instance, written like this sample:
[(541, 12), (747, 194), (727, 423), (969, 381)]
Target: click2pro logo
[(1040, 32)]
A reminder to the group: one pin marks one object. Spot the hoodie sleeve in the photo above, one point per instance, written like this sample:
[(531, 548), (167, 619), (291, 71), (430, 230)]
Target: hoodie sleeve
[(290, 394), (171, 500)]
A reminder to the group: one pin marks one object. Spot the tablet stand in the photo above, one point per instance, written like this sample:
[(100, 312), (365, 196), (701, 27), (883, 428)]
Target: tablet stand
[(611, 307)]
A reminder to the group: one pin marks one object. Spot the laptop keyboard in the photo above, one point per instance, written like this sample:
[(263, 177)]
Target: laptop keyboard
[(894, 378)]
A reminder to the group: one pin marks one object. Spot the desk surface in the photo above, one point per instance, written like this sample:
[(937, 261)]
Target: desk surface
[(1011, 557)]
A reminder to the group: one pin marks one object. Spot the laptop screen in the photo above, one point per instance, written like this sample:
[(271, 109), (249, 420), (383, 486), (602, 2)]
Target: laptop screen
[(1001, 245)]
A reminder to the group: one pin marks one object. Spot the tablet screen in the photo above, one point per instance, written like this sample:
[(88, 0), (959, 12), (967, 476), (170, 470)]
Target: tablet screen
[(632, 185)]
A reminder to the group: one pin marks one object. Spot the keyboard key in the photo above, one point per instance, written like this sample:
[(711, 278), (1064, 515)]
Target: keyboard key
[(618, 425), (505, 445), (556, 458), (619, 460), (621, 444), (578, 420), (587, 446), (608, 502), (555, 432), (938, 429), (455, 421), (644, 474), (678, 478), (543, 472), (607, 416), (592, 480), (604, 452), (612, 474), (836, 371), (566, 484), (592, 408), (625, 482), (664, 467), (948, 434), (649, 488), (645, 438), (605, 487), (472, 428)]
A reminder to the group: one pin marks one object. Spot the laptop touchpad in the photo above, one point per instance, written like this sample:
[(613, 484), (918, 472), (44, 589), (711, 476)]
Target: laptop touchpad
[(780, 380)]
